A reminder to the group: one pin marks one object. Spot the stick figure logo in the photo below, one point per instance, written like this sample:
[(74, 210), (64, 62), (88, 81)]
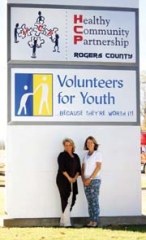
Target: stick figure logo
[(37, 34), (33, 94)]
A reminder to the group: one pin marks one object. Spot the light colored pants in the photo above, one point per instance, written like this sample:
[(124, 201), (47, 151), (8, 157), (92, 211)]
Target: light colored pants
[(65, 217)]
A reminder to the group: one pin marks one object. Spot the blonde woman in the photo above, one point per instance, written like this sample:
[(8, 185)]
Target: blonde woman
[(69, 169)]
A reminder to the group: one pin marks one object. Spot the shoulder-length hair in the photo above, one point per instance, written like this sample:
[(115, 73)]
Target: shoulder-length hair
[(70, 141), (96, 145)]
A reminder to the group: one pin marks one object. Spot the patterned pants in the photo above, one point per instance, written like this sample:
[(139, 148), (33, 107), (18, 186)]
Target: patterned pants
[(92, 195)]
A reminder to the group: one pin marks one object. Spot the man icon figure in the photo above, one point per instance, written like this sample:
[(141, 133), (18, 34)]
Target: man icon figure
[(55, 40), (44, 95), (34, 47), (23, 101), (16, 33)]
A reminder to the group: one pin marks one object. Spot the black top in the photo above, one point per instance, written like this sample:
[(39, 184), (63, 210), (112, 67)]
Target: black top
[(71, 165)]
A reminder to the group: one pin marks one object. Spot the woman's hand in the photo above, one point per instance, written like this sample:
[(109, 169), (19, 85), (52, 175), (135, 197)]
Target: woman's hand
[(87, 182), (74, 179), (71, 180)]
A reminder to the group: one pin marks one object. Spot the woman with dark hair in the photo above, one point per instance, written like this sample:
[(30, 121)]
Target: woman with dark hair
[(91, 179), (69, 169)]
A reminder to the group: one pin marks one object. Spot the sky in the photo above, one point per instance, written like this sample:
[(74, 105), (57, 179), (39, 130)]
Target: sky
[(3, 58)]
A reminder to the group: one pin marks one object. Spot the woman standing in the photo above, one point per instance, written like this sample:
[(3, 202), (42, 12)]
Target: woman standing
[(69, 169), (91, 179)]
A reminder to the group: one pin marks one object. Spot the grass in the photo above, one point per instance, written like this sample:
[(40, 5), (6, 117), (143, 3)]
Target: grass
[(119, 233)]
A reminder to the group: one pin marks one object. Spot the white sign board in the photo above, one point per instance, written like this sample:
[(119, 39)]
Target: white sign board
[(50, 34), (73, 95)]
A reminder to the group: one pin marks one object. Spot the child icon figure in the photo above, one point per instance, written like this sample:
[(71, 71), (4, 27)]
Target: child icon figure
[(23, 101)]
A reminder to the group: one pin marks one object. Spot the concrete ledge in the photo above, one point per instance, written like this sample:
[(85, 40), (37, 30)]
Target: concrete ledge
[(77, 222)]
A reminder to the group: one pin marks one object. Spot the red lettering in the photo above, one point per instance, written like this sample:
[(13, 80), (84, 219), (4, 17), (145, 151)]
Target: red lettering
[(77, 39), (78, 18), (76, 29)]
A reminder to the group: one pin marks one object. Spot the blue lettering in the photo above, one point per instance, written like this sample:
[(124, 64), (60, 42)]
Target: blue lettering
[(104, 99), (65, 98), (117, 113), (62, 82)]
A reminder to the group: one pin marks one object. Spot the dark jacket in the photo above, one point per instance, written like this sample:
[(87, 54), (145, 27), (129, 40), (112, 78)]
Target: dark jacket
[(71, 165)]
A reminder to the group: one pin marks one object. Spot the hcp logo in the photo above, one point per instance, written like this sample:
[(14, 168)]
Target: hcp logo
[(33, 94), (36, 35)]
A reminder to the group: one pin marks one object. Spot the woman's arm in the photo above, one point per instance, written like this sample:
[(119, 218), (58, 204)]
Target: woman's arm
[(62, 165), (82, 172), (96, 170), (93, 175), (76, 176), (78, 168), (70, 179)]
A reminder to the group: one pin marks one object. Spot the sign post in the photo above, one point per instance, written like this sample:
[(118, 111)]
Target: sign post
[(73, 71)]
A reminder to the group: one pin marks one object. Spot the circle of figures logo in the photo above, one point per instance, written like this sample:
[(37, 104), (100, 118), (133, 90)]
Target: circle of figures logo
[(36, 34)]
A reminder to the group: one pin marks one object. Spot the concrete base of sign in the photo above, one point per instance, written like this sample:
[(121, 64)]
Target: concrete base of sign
[(77, 222)]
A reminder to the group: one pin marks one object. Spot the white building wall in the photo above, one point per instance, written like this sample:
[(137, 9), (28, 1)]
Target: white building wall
[(32, 166)]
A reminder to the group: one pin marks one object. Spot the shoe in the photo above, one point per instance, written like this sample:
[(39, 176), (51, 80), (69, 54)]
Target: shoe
[(67, 225), (89, 224), (94, 224)]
